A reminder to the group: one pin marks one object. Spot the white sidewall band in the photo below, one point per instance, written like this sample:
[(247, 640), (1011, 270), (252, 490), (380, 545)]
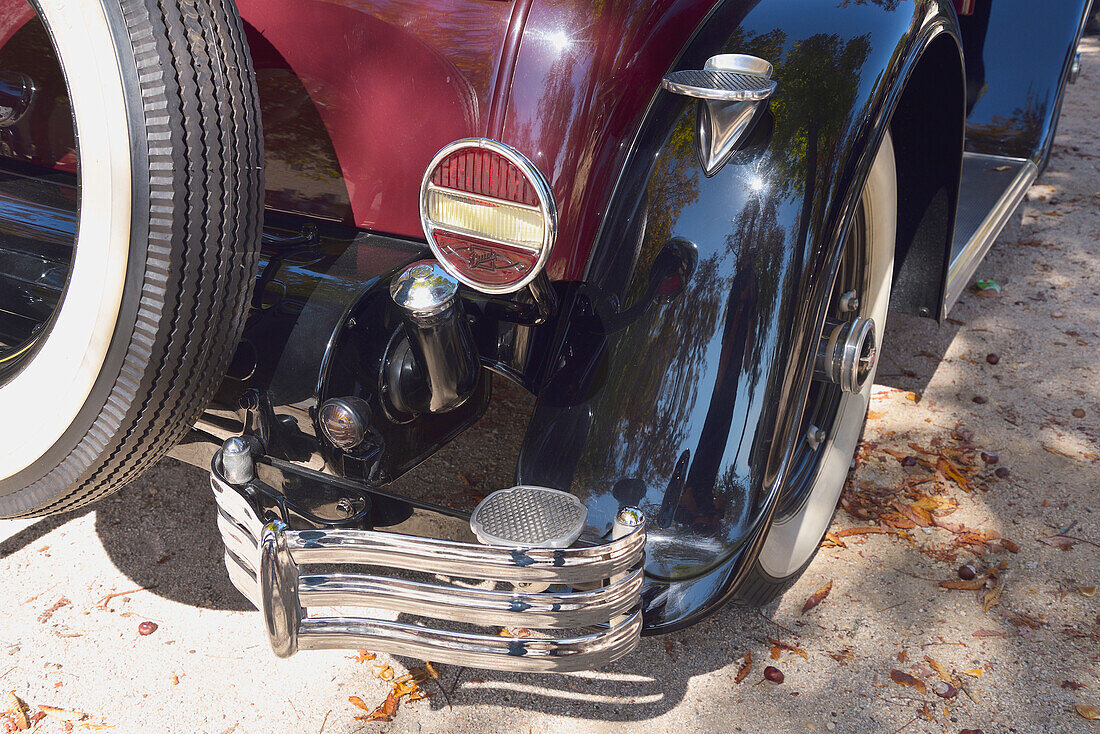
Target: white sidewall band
[(791, 543), (40, 403)]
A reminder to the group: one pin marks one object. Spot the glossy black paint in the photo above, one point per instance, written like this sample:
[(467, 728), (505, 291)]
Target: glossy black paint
[(691, 409), (320, 326), (1018, 55)]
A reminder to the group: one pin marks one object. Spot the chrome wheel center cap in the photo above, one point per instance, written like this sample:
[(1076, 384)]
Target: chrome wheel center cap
[(847, 354)]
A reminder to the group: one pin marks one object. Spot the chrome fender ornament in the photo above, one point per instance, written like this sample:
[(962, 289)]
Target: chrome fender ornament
[(730, 88)]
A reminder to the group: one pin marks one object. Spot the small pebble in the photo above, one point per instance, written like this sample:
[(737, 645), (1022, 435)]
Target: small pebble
[(1078, 413), (147, 628), (978, 399), (927, 531), (830, 726), (992, 358), (909, 461), (1002, 472)]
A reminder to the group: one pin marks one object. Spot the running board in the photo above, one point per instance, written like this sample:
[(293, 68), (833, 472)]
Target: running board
[(991, 188)]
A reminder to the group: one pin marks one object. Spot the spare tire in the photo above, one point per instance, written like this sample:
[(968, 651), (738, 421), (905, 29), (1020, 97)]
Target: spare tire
[(164, 212)]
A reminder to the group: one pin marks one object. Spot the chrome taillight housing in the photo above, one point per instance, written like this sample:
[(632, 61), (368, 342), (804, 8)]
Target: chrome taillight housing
[(488, 214)]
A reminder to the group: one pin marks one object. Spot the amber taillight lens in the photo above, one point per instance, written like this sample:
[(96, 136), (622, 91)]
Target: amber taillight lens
[(488, 215)]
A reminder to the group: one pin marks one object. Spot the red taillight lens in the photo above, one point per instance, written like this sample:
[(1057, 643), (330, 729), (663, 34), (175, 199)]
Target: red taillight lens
[(488, 215)]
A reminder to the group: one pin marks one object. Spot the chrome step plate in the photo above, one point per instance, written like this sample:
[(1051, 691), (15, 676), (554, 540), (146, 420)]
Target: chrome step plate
[(529, 517), (719, 85)]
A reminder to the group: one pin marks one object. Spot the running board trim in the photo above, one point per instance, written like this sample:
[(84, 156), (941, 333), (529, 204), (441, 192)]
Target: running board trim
[(966, 263)]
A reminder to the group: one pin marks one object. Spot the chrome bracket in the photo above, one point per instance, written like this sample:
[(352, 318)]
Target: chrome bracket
[(730, 89)]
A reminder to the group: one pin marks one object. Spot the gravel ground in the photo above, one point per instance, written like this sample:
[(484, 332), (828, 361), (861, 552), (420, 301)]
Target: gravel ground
[(1022, 651)]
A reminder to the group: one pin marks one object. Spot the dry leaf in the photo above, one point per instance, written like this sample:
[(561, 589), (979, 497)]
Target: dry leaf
[(1087, 711), (817, 597), (1072, 685), (385, 711), (515, 632), (948, 468), (18, 711), (1086, 590), (356, 701), (778, 647), (831, 541), (174, 679), (432, 672), (992, 597), (975, 672), (874, 415), (745, 668), (62, 714), (362, 656), (971, 585), (868, 530), (903, 656), (384, 672), (45, 616), (904, 679), (843, 656), (1061, 542), (941, 671)]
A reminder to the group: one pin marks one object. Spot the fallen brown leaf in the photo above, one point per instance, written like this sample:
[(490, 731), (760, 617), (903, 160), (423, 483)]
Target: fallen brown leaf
[(947, 467), (1072, 685), (384, 672), (831, 541), (842, 656), (971, 585), (817, 597), (941, 671), (18, 711), (356, 701), (1088, 711), (903, 656), (62, 602), (868, 530), (904, 679), (778, 647), (745, 669), (992, 597), (975, 672), (385, 711), (362, 656), (62, 714), (1061, 542)]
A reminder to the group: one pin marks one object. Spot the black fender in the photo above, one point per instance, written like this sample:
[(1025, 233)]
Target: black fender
[(683, 358)]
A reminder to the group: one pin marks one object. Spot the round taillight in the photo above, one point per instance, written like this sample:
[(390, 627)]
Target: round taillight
[(488, 215)]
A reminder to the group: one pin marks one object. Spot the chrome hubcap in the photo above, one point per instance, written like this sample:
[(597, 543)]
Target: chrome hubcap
[(847, 353)]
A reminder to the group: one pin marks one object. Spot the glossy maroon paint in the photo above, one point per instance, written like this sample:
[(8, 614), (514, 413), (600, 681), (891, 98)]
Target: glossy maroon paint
[(564, 82), (392, 80)]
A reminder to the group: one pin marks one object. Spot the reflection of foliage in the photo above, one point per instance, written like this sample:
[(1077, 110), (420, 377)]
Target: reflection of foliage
[(293, 131), (887, 5), (1015, 135), (817, 83)]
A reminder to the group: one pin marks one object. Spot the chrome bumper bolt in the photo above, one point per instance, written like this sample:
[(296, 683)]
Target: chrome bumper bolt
[(849, 301), (627, 519), (237, 461), (815, 436)]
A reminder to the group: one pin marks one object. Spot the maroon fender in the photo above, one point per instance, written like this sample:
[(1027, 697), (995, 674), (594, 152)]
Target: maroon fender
[(566, 83)]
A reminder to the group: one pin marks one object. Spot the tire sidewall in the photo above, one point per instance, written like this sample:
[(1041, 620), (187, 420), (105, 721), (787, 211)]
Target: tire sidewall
[(59, 394)]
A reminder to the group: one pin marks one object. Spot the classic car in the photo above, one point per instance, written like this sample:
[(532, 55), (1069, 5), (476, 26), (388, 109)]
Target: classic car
[(297, 243)]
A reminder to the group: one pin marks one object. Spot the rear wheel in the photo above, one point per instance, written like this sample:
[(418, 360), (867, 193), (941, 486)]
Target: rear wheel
[(130, 211), (833, 418)]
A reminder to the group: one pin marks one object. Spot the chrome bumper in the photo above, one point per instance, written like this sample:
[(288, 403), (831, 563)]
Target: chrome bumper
[(266, 560)]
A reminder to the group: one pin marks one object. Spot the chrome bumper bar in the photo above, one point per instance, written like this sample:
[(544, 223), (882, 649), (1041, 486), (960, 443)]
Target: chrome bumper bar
[(594, 592)]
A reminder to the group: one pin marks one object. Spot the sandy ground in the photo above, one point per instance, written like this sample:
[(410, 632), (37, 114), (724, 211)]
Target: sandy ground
[(1022, 651)]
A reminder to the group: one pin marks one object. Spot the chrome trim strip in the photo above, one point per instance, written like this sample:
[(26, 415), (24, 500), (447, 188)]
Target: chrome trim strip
[(963, 267), (521, 654), (466, 560), (603, 604), (506, 608)]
